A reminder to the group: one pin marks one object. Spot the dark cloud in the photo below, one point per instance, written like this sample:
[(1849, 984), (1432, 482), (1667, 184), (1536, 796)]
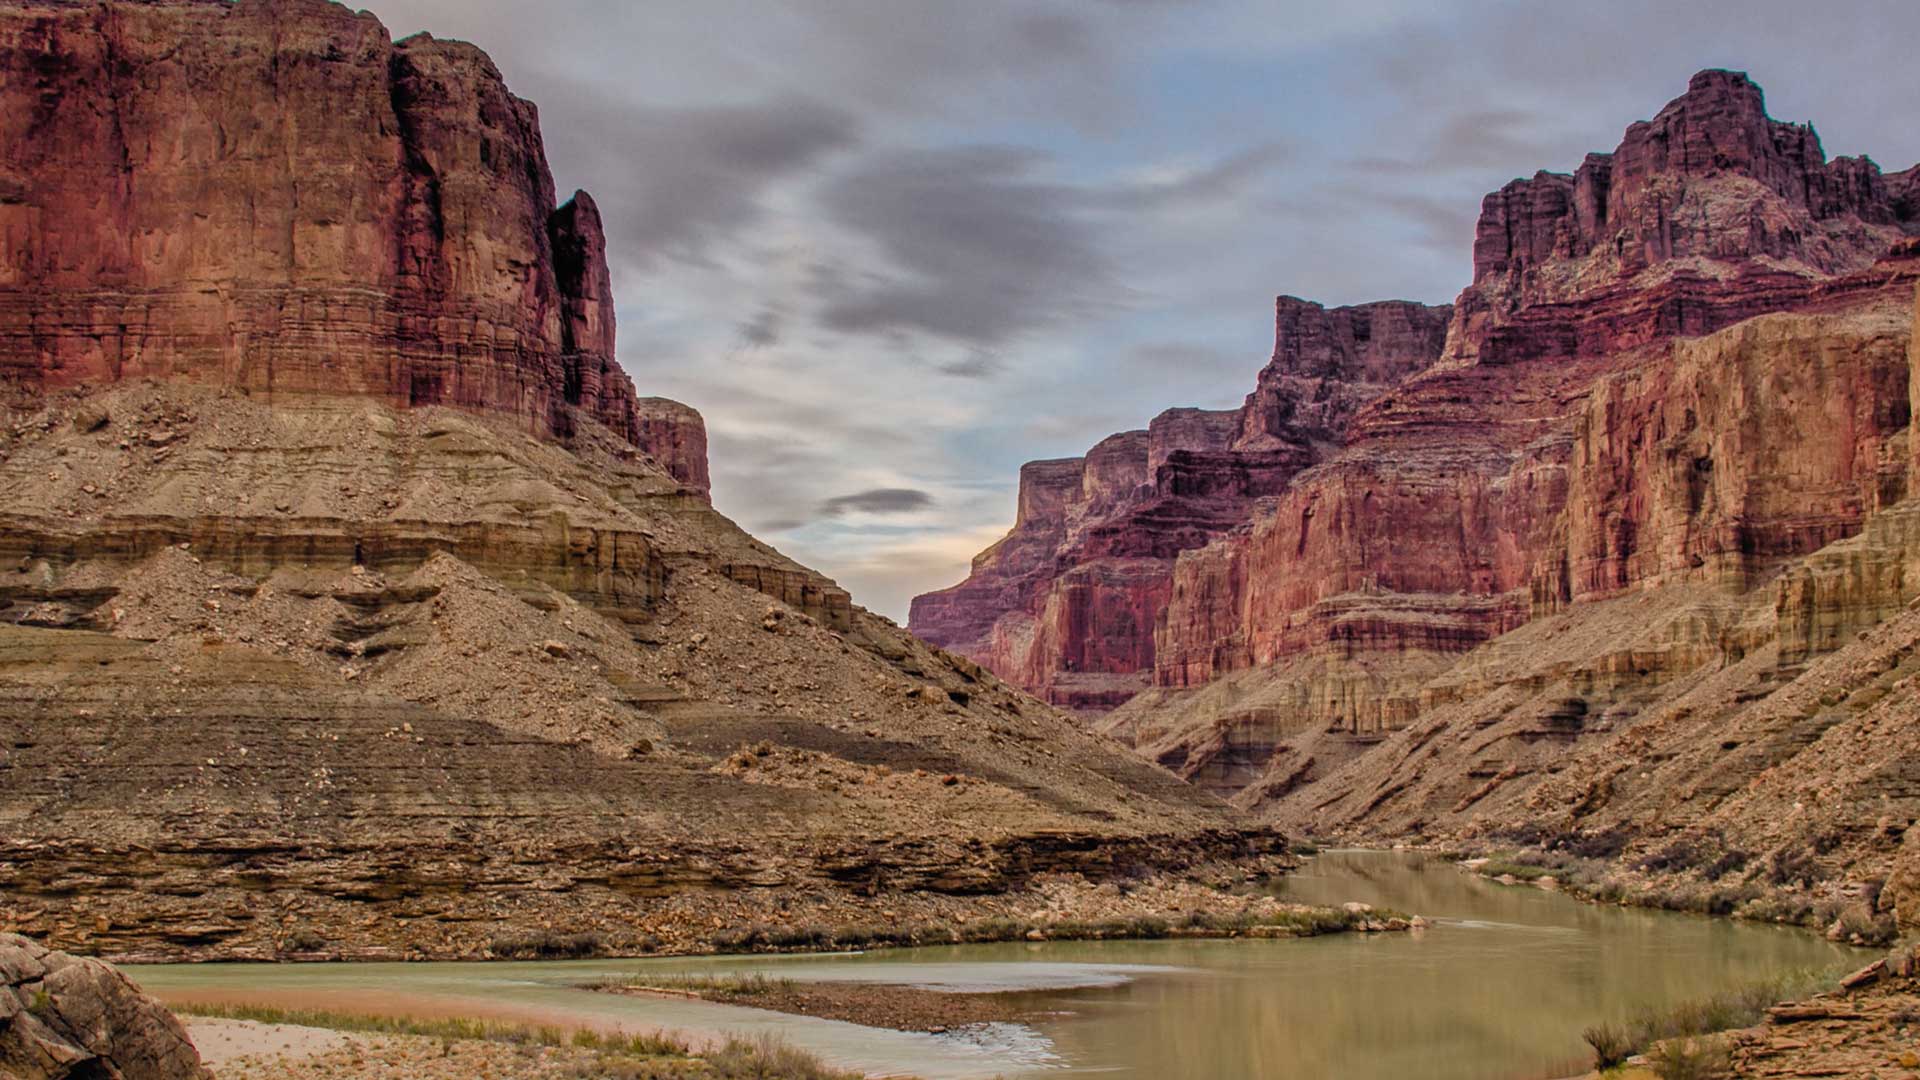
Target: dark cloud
[(977, 365), (678, 181), (878, 501), (1472, 139), (979, 247), (762, 330)]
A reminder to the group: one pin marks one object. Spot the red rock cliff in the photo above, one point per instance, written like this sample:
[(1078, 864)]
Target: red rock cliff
[(278, 197), (1427, 487), (1068, 601)]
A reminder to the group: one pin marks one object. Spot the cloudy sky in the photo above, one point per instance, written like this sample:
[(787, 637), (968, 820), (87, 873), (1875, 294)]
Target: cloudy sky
[(893, 248)]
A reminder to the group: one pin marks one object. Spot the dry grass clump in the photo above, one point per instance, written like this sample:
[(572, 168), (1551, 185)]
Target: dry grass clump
[(1687, 1022)]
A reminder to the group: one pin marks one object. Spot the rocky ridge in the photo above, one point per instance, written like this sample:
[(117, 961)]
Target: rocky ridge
[(1595, 571), (352, 603), (1066, 605)]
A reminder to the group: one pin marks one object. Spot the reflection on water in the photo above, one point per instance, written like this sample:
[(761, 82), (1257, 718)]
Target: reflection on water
[(1501, 986)]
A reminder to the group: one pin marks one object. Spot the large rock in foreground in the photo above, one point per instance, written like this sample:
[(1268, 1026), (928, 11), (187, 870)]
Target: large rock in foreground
[(65, 1018)]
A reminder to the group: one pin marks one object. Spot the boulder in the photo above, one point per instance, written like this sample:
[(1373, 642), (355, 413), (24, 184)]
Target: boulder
[(66, 1017)]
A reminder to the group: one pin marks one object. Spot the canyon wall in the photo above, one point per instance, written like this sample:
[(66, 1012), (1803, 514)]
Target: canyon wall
[(1565, 439), (396, 235), (1066, 604)]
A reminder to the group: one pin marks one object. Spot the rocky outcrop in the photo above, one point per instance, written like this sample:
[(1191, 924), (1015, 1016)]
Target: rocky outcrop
[(389, 228), (1708, 214), (675, 436), (1711, 177), (65, 1018), (1068, 602)]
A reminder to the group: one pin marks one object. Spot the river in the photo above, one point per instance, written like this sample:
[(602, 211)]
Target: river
[(1499, 988)]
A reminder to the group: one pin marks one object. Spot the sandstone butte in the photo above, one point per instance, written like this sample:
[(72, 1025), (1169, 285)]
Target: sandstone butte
[(1614, 555), (355, 604)]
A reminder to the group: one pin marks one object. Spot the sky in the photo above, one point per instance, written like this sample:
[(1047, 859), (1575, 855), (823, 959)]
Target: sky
[(892, 249)]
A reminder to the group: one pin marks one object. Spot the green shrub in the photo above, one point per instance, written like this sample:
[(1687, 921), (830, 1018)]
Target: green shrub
[(303, 940), (547, 945), (1511, 868), (448, 1028), (710, 984), (1688, 1021), (799, 937), (1789, 866), (1872, 928)]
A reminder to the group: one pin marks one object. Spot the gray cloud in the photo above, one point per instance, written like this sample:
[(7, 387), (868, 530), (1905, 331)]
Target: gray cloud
[(1470, 140), (763, 329), (977, 365), (679, 181), (980, 248), (1224, 179), (878, 501)]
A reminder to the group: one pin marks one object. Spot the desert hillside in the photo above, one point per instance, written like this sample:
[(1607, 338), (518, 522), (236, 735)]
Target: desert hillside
[(356, 602)]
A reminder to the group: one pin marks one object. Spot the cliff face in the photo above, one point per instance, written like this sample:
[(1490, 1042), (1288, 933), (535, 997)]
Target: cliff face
[(1067, 603), (1711, 177), (353, 604), (1563, 440), (279, 198)]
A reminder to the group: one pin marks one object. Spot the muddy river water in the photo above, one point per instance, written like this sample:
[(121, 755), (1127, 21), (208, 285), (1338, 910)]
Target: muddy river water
[(1499, 987)]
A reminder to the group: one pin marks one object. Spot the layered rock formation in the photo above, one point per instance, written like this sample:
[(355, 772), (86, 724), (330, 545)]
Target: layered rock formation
[(1067, 603), (1599, 564), (353, 604), (65, 1018), (398, 238)]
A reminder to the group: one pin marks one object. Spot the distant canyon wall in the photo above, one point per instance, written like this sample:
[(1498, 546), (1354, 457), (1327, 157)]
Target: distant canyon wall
[(1421, 480)]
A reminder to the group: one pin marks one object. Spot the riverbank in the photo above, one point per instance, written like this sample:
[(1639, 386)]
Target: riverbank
[(1844, 913), (251, 1043), (1865, 1024), (1176, 1008), (1222, 899)]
